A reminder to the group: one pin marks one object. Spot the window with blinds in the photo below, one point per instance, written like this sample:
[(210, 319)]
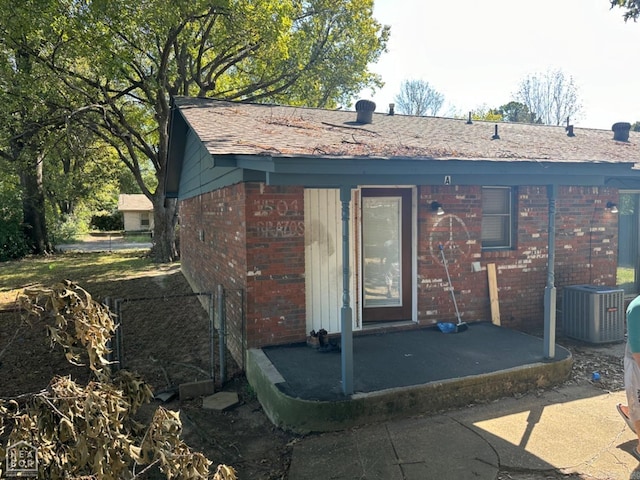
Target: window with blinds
[(497, 217)]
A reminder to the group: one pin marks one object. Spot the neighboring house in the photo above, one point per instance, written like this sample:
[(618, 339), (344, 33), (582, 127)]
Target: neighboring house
[(338, 220), (137, 211)]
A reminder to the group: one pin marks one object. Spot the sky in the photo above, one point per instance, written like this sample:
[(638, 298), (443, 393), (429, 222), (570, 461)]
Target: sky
[(476, 53)]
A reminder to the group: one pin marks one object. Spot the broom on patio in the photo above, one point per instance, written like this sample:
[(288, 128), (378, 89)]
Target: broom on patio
[(460, 326)]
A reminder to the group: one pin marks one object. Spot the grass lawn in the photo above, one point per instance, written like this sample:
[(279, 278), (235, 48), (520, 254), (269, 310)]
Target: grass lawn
[(99, 273), (166, 337)]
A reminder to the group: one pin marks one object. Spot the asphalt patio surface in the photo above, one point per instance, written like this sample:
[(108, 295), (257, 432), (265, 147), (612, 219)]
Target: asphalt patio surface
[(571, 429), (393, 359)]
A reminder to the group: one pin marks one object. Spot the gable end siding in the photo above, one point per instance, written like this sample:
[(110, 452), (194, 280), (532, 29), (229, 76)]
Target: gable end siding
[(198, 173)]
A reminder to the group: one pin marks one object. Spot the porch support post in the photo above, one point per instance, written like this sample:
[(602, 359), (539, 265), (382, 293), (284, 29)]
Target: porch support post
[(550, 288), (346, 336)]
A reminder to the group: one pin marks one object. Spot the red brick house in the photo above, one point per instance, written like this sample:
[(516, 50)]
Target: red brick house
[(334, 219)]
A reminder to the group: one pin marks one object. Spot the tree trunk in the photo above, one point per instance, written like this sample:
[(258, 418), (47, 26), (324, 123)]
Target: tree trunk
[(165, 219), (33, 210)]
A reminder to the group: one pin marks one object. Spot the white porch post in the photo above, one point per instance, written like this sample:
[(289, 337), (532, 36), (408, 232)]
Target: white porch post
[(345, 312)]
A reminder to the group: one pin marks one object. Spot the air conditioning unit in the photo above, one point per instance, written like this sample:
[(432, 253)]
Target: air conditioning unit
[(594, 314)]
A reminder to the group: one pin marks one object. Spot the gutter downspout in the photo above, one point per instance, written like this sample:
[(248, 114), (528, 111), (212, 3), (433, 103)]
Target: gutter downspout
[(549, 347), (346, 329)]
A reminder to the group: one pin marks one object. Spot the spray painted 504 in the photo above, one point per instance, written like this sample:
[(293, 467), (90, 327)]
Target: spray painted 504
[(282, 208)]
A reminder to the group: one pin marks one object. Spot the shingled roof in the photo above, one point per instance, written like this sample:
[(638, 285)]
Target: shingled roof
[(134, 203), (271, 130)]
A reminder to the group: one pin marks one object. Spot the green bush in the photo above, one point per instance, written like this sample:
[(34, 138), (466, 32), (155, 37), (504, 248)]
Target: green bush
[(108, 222), (68, 229), (12, 241)]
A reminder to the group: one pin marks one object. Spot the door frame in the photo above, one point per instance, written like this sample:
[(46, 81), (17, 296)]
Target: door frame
[(410, 244), (632, 288)]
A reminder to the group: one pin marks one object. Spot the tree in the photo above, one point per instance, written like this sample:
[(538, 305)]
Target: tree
[(632, 8), (486, 114), (35, 134), (12, 242), (418, 97), (636, 127), (551, 97), (24, 122), (515, 112), (127, 58)]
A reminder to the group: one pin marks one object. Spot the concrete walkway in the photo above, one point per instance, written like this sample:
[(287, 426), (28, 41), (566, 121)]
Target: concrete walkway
[(574, 429)]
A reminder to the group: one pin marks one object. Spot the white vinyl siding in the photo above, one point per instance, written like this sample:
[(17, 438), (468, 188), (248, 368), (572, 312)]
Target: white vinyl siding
[(323, 259)]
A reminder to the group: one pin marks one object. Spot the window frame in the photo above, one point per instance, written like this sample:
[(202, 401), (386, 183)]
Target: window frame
[(508, 241), (145, 220)]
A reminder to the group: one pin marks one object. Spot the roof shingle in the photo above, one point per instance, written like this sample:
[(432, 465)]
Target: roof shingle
[(273, 130)]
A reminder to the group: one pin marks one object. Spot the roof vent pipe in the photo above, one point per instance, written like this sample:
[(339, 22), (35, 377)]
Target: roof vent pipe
[(621, 131), (569, 130), (364, 110), (469, 122), (392, 108), (495, 135)]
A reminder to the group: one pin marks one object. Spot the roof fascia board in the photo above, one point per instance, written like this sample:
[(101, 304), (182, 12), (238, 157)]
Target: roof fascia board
[(336, 180), (624, 183), (177, 143), (386, 166), (263, 163)]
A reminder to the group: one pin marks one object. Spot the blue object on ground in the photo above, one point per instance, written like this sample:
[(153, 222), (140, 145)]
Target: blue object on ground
[(446, 327)]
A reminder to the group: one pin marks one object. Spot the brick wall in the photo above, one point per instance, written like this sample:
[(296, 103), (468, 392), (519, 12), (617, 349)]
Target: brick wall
[(586, 252), (276, 311), (212, 244), (250, 239)]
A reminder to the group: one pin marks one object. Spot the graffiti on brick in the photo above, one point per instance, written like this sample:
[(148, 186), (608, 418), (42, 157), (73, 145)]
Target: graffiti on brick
[(451, 232), (280, 207), (282, 229), (277, 210)]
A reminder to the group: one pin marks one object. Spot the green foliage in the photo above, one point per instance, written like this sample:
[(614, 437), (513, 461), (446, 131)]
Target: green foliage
[(636, 127), (108, 222), (116, 63), (486, 114), (632, 8), (88, 430), (69, 228), (12, 241), (515, 112)]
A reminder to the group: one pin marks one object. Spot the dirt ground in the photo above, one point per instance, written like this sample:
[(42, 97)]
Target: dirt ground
[(165, 338)]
